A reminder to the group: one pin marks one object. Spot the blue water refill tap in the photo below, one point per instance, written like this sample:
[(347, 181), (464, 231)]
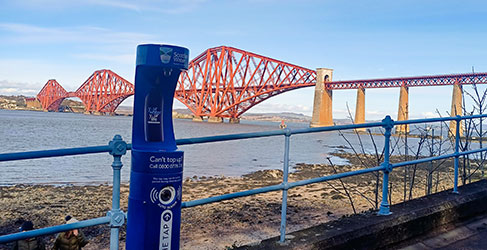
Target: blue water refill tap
[(154, 212)]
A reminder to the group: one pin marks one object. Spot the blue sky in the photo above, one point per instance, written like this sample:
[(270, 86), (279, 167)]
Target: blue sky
[(68, 40)]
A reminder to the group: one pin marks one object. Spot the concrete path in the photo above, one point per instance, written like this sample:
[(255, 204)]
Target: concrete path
[(469, 236)]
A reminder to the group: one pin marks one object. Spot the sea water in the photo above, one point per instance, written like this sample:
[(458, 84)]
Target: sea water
[(29, 130)]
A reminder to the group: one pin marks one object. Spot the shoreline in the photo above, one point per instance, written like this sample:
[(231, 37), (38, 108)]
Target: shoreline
[(218, 225), (181, 115)]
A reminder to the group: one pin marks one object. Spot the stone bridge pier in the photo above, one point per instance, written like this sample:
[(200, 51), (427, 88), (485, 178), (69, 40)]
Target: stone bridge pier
[(323, 103), (322, 107)]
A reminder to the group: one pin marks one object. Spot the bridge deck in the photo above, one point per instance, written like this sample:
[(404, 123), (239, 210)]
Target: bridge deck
[(415, 81)]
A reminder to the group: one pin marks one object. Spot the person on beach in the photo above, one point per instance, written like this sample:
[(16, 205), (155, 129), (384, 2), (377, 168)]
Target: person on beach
[(70, 240), (29, 243)]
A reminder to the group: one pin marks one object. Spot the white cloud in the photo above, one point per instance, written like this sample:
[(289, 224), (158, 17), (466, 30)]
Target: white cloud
[(33, 74), (17, 88), (162, 6), (129, 5), (159, 6), (24, 33), (103, 48), (375, 113), (124, 58), (8, 90), (15, 91), (426, 114)]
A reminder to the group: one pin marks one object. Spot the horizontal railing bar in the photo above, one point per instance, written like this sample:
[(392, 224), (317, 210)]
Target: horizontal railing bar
[(54, 229), (310, 130), (198, 140), (440, 157), (204, 201), (439, 119), (335, 176), (53, 153), (229, 137), (336, 127), (187, 141), (422, 160), (473, 151), (316, 180), (276, 187)]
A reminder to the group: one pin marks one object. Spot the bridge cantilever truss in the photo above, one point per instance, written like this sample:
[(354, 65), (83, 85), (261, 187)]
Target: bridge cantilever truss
[(51, 95), (102, 92), (226, 82)]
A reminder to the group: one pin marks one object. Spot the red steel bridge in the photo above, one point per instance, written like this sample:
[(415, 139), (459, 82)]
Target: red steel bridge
[(226, 82)]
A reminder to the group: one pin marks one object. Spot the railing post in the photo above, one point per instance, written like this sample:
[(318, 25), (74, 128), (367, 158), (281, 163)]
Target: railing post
[(457, 156), (387, 124), (117, 217), (285, 173)]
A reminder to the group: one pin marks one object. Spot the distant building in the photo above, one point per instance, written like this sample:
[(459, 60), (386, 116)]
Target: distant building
[(32, 103)]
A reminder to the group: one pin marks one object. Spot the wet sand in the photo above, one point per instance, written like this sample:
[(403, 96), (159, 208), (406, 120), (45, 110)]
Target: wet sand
[(223, 224)]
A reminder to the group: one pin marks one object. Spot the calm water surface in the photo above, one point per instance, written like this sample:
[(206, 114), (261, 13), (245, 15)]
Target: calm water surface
[(28, 130)]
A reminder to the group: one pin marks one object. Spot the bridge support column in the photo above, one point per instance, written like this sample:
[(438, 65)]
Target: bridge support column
[(360, 109), (234, 120), (215, 119), (197, 118), (322, 106), (456, 109), (403, 111)]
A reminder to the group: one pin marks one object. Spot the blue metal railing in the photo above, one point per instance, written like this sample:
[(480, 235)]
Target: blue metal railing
[(117, 148)]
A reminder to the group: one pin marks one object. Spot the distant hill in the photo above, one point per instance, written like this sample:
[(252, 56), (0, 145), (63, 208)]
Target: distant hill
[(18, 102), (124, 110), (183, 111), (286, 116)]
